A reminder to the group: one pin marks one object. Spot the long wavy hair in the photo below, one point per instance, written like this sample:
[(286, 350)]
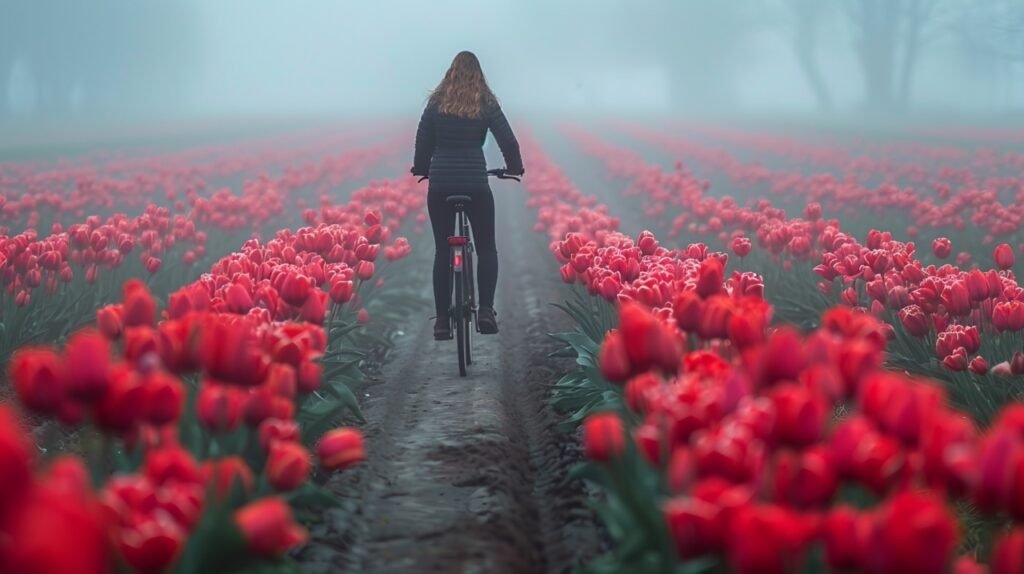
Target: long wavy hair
[(464, 91)]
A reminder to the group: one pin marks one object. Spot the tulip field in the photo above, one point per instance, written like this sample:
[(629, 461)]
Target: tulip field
[(751, 350)]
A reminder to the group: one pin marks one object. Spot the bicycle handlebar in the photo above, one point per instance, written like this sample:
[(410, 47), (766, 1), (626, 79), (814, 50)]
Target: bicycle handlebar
[(498, 173)]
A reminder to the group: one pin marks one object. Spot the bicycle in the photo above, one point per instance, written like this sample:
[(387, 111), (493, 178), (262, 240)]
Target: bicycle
[(463, 309)]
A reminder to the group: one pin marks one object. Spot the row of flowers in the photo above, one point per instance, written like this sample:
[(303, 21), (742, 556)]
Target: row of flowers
[(200, 421), (962, 319), (52, 284), (102, 181), (720, 442)]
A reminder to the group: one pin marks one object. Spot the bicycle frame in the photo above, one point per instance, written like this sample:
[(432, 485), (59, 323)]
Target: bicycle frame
[(463, 309)]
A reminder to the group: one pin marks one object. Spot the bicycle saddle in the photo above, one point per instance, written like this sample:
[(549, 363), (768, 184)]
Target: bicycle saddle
[(459, 199)]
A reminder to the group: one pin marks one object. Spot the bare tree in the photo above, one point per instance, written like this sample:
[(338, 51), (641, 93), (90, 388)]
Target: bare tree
[(801, 21), (888, 37)]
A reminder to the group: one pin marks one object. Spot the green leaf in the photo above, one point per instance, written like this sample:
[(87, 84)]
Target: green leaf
[(311, 495), (319, 419), (347, 398)]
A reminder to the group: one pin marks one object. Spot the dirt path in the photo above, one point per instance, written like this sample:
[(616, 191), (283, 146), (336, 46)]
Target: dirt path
[(467, 474)]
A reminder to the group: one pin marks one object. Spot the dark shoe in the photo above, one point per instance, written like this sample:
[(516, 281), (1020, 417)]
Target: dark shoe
[(487, 321), (442, 329)]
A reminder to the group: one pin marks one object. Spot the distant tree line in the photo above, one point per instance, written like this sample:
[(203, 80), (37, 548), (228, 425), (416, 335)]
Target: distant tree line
[(119, 57)]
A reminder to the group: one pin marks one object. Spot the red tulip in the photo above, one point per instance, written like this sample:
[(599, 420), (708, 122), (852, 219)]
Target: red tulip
[(238, 299), (804, 479), (686, 308), (54, 530), (695, 527), (152, 544), (171, 463), (1008, 553), (268, 527), (288, 465), (647, 243), (604, 437), (648, 341), (1008, 316), (295, 289), (912, 532), (1017, 363), (164, 397), (800, 415), (365, 270), (341, 292), (38, 375), (340, 449), (226, 474), (1003, 256), (16, 458), (942, 247), (956, 361), (977, 285), (741, 246), (957, 299), (637, 389), (89, 353), (229, 352), (715, 313), (613, 359), (219, 407), (844, 534), (122, 407), (749, 324), (310, 375), (273, 429), (978, 365), (711, 276), (766, 539), (914, 321), (139, 309), (109, 321)]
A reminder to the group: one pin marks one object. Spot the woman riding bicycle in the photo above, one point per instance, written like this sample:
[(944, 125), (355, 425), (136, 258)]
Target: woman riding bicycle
[(449, 151)]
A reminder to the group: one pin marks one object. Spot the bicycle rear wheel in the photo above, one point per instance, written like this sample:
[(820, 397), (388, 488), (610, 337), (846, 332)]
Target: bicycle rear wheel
[(470, 303), (460, 321)]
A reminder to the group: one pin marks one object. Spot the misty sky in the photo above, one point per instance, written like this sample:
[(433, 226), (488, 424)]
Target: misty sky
[(245, 57)]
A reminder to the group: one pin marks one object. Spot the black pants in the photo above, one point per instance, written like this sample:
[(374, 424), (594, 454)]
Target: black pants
[(481, 222)]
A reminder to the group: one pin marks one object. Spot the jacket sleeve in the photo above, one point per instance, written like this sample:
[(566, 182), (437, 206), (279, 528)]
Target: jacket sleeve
[(502, 131), (424, 144)]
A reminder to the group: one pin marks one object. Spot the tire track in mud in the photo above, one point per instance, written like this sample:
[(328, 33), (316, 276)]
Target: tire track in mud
[(467, 474)]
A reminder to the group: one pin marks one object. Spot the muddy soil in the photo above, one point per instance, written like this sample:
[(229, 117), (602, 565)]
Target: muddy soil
[(467, 474)]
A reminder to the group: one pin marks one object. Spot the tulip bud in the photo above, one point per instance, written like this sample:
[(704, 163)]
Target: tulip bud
[(39, 378), (1003, 256), (612, 358), (340, 449), (1017, 363), (227, 473), (288, 465), (603, 436), (139, 309), (108, 319), (268, 527), (89, 352), (978, 366), (942, 247)]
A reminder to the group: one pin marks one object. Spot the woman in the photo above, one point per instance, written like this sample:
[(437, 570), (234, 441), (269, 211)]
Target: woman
[(449, 150)]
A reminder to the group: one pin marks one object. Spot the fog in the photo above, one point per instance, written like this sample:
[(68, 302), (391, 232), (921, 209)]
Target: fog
[(63, 61)]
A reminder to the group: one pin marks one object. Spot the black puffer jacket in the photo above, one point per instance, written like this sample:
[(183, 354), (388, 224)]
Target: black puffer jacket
[(449, 149)]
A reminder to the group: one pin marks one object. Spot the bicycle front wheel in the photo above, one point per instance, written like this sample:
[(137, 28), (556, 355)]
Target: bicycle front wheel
[(460, 321)]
